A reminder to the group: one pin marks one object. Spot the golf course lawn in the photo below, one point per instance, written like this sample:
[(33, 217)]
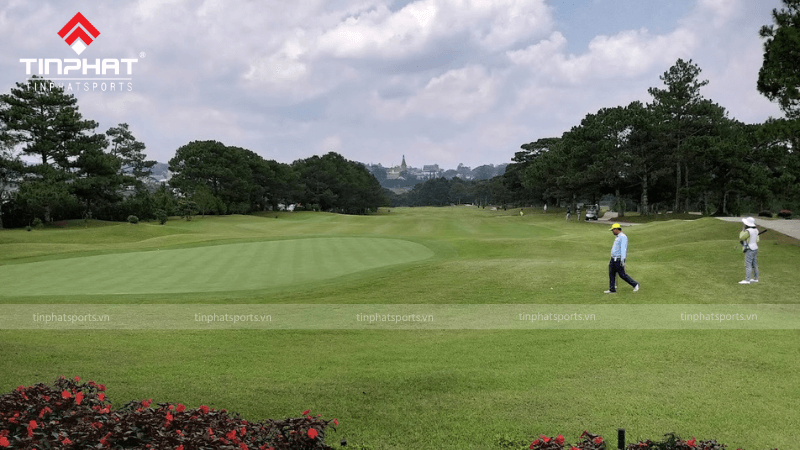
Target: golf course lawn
[(414, 388)]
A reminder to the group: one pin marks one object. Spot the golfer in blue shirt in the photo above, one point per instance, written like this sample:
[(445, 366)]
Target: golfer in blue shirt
[(619, 251)]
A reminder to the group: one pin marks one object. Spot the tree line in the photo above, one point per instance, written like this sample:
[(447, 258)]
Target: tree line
[(54, 165), (454, 191), (681, 151)]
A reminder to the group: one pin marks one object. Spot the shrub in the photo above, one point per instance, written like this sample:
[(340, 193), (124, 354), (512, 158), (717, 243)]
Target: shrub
[(673, 442), (36, 223), (28, 228), (161, 215), (588, 441), (76, 415), (133, 219), (765, 214), (785, 213)]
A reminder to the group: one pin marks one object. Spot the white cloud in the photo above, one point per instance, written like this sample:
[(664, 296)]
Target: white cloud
[(331, 144), (382, 33), (627, 54), (286, 65), (454, 96)]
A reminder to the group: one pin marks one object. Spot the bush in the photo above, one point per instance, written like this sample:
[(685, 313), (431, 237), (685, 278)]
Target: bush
[(28, 228), (76, 415), (785, 213), (765, 214), (36, 223), (161, 215), (133, 219), (673, 442), (588, 441)]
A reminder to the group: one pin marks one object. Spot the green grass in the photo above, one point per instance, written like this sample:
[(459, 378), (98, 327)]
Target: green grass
[(453, 389)]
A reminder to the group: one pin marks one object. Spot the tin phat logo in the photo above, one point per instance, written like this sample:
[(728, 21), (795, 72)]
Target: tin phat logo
[(78, 33), (73, 74)]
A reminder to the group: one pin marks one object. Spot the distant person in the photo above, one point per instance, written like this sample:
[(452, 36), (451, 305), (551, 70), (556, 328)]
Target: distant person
[(545, 208), (569, 213), (749, 239), (619, 252), (521, 213), (578, 213)]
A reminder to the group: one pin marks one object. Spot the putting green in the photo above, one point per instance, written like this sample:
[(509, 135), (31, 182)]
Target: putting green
[(229, 267)]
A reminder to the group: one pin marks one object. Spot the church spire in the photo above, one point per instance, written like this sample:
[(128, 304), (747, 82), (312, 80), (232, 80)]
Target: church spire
[(403, 166)]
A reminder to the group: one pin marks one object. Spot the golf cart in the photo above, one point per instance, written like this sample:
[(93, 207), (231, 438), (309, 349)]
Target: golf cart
[(591, 212)]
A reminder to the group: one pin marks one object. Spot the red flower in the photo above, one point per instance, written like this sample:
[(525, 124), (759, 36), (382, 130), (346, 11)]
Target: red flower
[(101, 396), (77, 378), (210, 432), (560, 440), (180, 408), (31, 426), (4, 442), (231, 435), (544, 438), (224, 441), (691, 442), (78, 398), (104, 441), (204, 409), (242, 431), (598, 440), (44, 411), (146, 403), (312, 433), (336, 422), (101, 387), (169, 417), (66, 441), (305, 412), (65, 395), (573, 448), (180, 447), (534, 443), (92, 383), (97, 425)]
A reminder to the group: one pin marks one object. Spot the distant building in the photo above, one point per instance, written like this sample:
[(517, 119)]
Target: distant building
[(395, 172), (431, 171)]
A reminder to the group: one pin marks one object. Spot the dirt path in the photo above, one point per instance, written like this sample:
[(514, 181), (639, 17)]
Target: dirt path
[(790, 228)]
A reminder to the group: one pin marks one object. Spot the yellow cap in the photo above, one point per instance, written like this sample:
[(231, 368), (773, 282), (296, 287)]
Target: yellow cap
[(616, 225)]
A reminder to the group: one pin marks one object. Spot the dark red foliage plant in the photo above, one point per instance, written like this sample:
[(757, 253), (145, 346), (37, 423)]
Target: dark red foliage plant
[(74, 415), (588, 441)]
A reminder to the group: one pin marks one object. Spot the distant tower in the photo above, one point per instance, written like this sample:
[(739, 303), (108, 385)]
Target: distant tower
[(403, 166)]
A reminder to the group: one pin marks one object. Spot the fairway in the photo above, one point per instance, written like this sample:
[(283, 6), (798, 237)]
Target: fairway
[(228, 267), (417, 388)]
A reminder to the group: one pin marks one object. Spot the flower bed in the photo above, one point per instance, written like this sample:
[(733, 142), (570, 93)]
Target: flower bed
[(73, 415), (589, 441)]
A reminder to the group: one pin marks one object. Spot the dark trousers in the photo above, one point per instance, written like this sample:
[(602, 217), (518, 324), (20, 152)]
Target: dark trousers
[(615, 267)]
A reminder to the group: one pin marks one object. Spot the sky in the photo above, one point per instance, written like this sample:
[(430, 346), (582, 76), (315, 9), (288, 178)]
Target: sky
[(444, 82)]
